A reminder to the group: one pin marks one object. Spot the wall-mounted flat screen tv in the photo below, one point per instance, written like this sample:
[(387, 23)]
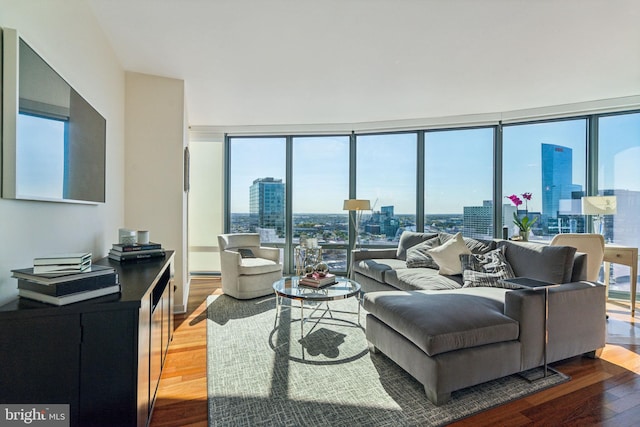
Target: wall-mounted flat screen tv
[(53, 140)]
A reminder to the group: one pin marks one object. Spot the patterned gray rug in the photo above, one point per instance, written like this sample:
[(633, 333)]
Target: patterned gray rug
[(260, 372)]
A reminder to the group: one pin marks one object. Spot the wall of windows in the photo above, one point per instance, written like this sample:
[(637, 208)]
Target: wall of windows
[(386, 176), (256, 185), (437, 180), (619, 176), (458, 194), (548, 160), (320, 183)]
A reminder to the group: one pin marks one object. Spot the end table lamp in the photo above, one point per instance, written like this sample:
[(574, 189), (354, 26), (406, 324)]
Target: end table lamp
[(598, 207), (357, 205)]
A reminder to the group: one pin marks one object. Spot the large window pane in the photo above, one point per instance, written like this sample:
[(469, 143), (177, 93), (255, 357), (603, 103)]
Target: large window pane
[(547, 160), (459, 193), (257, 187), (619, 175), (320, 184), (386, 175)]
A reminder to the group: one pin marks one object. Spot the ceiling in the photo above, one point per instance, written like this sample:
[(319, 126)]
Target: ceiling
[(282, 62)]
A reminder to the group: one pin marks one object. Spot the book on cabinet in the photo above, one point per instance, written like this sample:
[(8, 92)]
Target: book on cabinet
[(60, 277), (71, 286), (68, 299)]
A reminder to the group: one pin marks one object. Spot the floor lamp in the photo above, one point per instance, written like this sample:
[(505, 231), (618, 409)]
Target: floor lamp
[(357, 205), (598, 207)]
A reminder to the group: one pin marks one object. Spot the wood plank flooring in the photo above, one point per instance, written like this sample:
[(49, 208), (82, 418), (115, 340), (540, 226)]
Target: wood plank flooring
[(602, 392)]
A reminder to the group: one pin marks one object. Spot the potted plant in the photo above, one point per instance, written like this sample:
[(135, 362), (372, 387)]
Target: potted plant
[(525, 223)]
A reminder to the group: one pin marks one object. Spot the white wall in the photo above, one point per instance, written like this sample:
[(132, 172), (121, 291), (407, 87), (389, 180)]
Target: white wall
[(154, 197), (66, 34), (205, 203)]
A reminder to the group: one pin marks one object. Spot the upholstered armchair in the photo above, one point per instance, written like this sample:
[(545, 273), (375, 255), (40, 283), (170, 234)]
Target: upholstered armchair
[(590, 244), (248, 269)]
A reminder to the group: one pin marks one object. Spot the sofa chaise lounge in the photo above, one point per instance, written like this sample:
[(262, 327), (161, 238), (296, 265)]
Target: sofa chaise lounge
[(452, 331)]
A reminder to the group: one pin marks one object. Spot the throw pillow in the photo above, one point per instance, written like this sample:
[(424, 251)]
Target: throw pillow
[(418, 255), (447, 255), (246, 253), (486, 270), (476, 246), (409, 239)]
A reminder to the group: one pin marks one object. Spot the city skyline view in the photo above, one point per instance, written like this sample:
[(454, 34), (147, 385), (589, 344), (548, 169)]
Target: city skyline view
[(320, 177)]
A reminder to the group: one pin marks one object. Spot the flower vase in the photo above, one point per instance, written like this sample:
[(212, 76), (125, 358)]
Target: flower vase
[(524, 235)]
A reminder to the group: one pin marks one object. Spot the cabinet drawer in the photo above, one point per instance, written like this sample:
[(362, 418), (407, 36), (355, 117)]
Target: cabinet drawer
[(618, 255)]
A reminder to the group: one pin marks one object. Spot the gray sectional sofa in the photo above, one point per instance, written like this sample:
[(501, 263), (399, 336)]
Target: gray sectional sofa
[(455, 330)]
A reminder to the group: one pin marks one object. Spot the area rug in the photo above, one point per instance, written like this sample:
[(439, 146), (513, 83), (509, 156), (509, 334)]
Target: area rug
[(267, 371)]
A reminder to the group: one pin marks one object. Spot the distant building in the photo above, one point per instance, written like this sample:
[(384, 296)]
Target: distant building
[(557, 178), (477, 221), (266, 204), (383, 222)]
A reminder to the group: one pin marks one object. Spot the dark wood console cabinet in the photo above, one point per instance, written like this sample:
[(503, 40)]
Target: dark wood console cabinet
[(103, 356)]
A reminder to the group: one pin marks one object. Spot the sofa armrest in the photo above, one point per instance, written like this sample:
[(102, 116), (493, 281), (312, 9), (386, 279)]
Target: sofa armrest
[(576, 325), (360, 254), (579, 267)]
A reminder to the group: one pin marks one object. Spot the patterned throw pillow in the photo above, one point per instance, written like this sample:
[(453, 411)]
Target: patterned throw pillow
[(417, 256), (486, 270)]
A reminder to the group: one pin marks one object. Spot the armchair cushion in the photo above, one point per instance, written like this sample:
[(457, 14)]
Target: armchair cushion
[(250, 266)]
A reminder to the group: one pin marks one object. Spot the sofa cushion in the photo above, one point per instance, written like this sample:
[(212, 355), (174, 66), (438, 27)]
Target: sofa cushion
[(547, 263), (376, 268), (409, 239), (249, 266), (412, 279), (476, 246), (447, 255), (486, 270), (440, 322), (418, 255)]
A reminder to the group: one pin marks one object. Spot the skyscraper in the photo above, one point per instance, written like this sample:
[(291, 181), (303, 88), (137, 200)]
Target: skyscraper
[(557, 177), (266, 204)]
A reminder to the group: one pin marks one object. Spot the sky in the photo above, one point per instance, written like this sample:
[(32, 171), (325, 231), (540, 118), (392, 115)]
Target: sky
[(458, 165)]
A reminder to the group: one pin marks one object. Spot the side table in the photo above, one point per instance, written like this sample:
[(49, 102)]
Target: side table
[(538, 285), (623, 255)]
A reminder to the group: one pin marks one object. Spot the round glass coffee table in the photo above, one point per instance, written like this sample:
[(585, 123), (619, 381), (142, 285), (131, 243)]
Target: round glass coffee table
[(290, 288)]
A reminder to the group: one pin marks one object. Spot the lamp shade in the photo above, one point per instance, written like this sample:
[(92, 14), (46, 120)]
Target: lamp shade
[(599, 205), (356, 205)]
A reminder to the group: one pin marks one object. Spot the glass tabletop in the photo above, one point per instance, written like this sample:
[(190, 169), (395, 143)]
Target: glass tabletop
[(289, 287)]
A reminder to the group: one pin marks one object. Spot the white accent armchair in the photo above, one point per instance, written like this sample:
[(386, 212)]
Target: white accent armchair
[(250, 276), (590, 244)]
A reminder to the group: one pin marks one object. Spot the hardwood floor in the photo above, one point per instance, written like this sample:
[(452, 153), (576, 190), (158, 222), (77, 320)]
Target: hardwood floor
[(603, 392)]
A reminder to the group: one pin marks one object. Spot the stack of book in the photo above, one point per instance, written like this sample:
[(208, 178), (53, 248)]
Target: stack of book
[(135, 251), (317, 281), (66, 288), (62, 263)]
